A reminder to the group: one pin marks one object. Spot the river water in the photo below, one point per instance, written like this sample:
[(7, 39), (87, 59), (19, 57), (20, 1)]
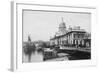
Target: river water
[(35, 57), (38, 57)]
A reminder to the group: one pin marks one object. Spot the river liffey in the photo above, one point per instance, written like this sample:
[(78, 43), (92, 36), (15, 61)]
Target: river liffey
[(39, 57), (35, 57), (51, 55)]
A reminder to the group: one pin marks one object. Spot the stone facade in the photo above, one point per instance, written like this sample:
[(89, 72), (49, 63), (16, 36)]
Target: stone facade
[(71, 37)]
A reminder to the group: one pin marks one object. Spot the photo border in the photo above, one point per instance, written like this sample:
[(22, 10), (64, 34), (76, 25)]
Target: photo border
[(17, 65)]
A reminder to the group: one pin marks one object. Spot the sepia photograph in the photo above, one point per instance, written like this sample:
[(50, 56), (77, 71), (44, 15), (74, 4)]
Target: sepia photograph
[(55, 36)]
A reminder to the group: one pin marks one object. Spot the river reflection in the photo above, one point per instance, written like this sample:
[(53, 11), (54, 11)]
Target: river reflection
[(36, 56)]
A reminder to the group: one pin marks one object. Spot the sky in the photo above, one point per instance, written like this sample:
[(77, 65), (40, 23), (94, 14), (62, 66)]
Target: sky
[(41, 25)]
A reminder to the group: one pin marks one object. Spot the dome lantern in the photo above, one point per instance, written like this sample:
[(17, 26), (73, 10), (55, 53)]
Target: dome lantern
[(62, 26)]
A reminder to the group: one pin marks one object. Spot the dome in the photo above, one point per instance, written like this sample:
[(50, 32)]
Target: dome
[(62, 25), (62, 29)]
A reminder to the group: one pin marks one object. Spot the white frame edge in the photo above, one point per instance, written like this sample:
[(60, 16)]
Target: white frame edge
[(13, 37), (14, 32)]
